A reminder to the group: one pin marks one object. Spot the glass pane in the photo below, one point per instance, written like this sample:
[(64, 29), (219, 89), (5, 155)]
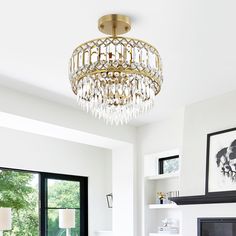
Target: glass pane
[(19, 191), (53, 224), (63, 194), (171, 165)]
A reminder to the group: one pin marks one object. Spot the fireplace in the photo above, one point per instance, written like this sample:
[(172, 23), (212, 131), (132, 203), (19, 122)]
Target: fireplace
[(216, 226)]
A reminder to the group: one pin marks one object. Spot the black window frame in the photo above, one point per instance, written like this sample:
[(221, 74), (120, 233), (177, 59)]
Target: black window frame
[(162, 160), (43, 197)]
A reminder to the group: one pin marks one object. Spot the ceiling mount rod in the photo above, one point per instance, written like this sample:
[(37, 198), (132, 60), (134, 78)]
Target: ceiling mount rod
[(114, 24)]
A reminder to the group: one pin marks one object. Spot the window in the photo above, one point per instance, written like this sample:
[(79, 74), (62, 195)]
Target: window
[(169, 165), (38, 200)]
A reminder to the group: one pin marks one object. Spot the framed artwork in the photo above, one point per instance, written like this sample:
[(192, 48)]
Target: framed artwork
[(168, 165), (221, 163), (109, 200)]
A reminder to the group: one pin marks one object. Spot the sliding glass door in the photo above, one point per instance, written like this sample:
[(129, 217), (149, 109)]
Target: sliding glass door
[(36, 199), (19, 190), (64, 192)]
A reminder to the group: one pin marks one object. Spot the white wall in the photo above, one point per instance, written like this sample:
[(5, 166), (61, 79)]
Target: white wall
[(201, 118), (81, 128), (123, 176), (34, 152), (25, 105), (189, 130)]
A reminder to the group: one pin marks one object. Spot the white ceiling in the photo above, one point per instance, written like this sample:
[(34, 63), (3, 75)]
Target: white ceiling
[(196, 40)]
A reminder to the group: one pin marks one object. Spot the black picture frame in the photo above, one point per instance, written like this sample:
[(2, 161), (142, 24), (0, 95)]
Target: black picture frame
[(162, 160), (216, 194)]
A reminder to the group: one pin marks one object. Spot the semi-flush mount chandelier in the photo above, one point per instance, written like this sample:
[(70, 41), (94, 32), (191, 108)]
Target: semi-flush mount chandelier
[(115, 78)]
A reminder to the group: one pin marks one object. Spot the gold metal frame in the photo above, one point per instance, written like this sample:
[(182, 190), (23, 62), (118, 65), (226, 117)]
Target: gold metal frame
[(77, 78), (112, 38)]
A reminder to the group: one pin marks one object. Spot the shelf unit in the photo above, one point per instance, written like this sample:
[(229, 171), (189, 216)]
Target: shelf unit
[(163, 234), (103, 233), (153, 183), (163, 176), (162, 206)]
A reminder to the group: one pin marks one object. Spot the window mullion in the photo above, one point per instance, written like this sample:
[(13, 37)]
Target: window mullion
[(43, 204)]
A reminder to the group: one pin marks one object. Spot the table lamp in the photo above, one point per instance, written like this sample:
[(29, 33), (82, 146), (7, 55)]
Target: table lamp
[(5, 219), (67, 219)]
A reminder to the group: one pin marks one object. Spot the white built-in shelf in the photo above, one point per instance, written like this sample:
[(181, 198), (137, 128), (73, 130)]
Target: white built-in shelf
[(103, 233), (155, 183), (163, 234), (164, 176), (162, 206)]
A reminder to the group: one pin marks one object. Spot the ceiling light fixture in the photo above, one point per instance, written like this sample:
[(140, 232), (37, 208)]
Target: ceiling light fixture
[(115, 78)]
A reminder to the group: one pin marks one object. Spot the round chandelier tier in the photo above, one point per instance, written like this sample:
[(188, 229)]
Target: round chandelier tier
[(115, 78)]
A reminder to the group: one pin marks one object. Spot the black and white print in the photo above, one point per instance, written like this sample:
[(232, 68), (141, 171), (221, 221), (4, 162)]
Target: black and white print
[(226, 161), (221, 161)]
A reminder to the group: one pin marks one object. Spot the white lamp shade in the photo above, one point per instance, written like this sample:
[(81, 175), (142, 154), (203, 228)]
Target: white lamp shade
[(67, 218), (5, 219)]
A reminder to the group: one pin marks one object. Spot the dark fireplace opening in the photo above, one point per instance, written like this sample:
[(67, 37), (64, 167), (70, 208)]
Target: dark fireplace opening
[(216, 226)]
